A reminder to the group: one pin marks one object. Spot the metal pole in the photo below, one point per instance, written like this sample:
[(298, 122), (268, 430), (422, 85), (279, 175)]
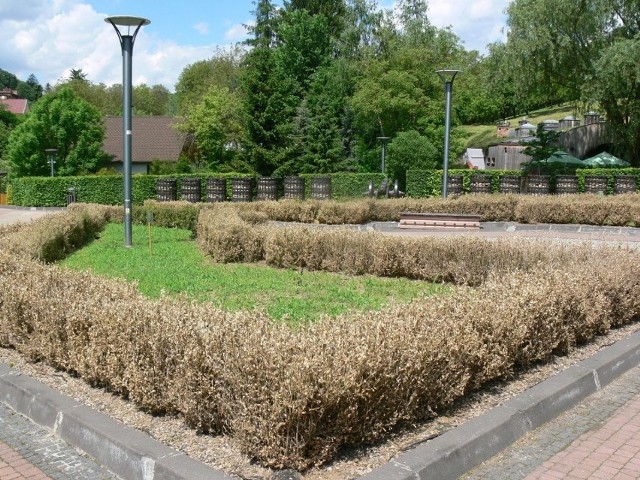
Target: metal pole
[(127, 60), (383, 140), (52, 158), (126, 43), (448, 86), (384, 149)]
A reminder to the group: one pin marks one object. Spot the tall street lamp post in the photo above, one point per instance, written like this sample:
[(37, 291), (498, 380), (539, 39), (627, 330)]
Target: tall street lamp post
[(447, 77), (384, 141), (52, 157), (126, 43)]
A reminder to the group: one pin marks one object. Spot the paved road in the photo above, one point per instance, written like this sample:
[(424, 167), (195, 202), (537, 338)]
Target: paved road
[(23, 214)]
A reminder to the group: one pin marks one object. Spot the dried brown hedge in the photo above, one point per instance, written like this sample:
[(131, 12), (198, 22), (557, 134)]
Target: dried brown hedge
[(623, 210), (292, 397), (53, 237)]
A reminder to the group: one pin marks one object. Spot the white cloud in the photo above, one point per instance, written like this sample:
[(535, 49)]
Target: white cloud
[(237, 32), (202, 28), (48, 38), (477, 22)]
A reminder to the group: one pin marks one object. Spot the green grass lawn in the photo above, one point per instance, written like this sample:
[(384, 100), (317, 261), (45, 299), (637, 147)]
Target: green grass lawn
[(178, 267)]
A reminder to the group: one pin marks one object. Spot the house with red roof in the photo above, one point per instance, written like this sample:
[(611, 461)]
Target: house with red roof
[(153, 138), (17, 106)]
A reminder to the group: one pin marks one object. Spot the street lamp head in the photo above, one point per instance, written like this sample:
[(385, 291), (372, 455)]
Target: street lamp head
[(447, 75), (51, 151), (128, 22)]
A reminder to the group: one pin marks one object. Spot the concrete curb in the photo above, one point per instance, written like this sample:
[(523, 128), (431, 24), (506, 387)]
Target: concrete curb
[(128, 453), (512, 227), (459, 450)]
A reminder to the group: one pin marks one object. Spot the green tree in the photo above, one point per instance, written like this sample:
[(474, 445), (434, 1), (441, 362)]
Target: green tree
[(410, 150), (215, 125), (31, 89), (8, 121), (150, 100), (59, 120), (543, 146), (615, 86), (8, 80), (223, 70), (323, 131), (553, 44)]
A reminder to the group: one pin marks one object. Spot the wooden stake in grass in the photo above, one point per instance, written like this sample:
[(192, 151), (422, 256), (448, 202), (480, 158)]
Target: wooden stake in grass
[(149, 222)]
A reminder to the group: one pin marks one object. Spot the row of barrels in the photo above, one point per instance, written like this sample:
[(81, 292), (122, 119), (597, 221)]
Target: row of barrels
[(242, 189), (541, 184)]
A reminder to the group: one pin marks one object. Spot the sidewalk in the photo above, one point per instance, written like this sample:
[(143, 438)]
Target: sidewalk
[(28, 451), (600, 439)]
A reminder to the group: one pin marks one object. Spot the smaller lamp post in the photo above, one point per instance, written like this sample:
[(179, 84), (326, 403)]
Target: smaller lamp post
[(384, 141), (447, 77), (52, 157)]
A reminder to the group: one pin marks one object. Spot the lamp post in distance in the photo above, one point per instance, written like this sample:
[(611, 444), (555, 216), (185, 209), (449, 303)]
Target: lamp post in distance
[(52, 157), (126, 43), (447, 76), (384, 141)]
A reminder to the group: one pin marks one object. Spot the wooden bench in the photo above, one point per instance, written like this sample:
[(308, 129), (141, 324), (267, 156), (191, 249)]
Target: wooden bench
[(438, 220)]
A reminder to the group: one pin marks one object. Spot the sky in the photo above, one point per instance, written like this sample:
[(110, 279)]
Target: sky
[(47, 38)]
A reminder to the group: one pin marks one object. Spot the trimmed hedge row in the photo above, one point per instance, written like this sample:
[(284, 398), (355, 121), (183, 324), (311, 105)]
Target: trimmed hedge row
[(428, 183), (590, 209), (108, 189), (290, 398)]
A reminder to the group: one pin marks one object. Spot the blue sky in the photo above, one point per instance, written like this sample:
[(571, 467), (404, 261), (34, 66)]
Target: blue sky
[(50, 37)]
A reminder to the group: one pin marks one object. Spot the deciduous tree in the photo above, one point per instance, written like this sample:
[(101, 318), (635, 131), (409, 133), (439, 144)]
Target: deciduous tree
[(59, 120)]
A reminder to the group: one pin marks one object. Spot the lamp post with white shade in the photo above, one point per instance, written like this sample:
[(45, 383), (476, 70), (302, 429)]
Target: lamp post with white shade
[(447, 77), (126, 43)]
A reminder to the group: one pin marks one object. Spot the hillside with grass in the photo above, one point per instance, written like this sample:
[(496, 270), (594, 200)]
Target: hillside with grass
[(482, 136)]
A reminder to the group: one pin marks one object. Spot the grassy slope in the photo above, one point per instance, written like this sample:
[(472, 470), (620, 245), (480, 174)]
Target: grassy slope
[(177, 267), (481, 136)]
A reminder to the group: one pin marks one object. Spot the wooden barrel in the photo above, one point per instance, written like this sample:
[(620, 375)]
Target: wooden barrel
[(267, 188), (454, 185), (216, 189), (191, 190), (480, 183), (566, 184), (625, 184), (595, 184), (166, 189), (294, 188), (241, 189), (321, 188), (510, 184), (538, 184)]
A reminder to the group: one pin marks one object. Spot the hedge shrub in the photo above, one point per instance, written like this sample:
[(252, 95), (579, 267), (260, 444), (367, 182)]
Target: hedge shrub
[(428, 183), (108, 189), (290, 398)]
